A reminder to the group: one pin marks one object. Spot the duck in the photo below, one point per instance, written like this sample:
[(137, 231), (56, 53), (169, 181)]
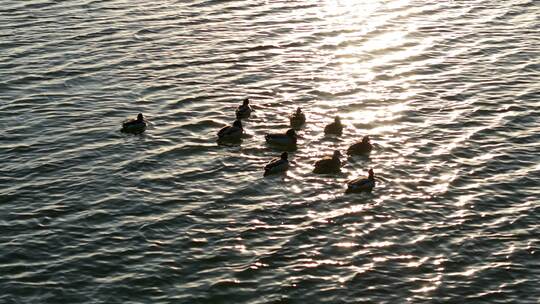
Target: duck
[(287, 139), (244, 110), (277, 165), (233, 132), (328, 164), (135, 126), (362, 147), (297, 118), (362, 184), (334, 128)]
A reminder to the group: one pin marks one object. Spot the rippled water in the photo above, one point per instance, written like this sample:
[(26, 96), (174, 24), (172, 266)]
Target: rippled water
[(449, 92)]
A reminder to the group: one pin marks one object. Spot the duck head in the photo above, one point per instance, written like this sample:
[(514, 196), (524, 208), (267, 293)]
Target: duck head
[(140, 117), (365, 139), (298, 111), (291, 133), (237, 123), (371, 174), (284, 155), (336, 154), (246, 102)]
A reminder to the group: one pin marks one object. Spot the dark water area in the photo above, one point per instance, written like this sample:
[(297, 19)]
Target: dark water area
[(449, 92)]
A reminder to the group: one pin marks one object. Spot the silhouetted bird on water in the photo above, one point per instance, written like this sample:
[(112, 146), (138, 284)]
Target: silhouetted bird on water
[(134, 125), (334, 128), (244, 110), (328, 164), (287, 139), (231, 133), (362, 184), (297, 119), (277, 165), (362, 147)]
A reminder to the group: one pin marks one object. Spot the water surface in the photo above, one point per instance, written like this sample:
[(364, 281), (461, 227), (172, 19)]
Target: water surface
[(447, 90)]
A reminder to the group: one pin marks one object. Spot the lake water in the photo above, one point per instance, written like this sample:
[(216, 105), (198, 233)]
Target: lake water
[(449, 92)]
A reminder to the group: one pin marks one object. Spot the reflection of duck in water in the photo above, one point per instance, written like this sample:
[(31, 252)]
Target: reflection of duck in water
[(328, 164), (297, 118), (334, 128), (362, 184), (233, 132), (134, 125), (243, 110), (287, 139), (361, 147), (277, 165)]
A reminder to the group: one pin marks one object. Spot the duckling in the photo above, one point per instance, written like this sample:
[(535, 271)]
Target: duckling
[(277, 165), (328, 164), (244, 110), (297, 119), (334, 128), (233, 132), (135, 126), (287, 139), (362, 184), (361, 147)]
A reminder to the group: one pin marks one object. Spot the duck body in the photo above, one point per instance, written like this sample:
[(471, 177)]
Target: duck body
[(360, 148), (328, 164), (362, 184), (231, 133), (135, 126), (287, 139), (277, 165), (244, 110), (297, 119), (334, 128)]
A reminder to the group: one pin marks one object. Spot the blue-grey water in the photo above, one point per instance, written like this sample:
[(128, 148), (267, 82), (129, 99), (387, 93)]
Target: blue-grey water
[(449, 92)]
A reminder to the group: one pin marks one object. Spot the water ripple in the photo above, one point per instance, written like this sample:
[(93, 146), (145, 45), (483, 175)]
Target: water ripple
[(447, 91)]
